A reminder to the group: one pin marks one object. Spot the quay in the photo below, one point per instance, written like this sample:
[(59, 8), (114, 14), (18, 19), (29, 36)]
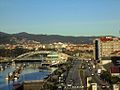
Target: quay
[(51, 82), (15, 74), (29, 85)]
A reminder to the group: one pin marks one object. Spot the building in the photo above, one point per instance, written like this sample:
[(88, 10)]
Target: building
[(94, 86), (116, 86), (54, 58), (116, 60), (105, 46), (89, 81), (80, 47), (97, 49), (115, 71)]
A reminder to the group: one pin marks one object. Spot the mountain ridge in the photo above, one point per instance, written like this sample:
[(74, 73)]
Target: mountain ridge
[(6, 38)]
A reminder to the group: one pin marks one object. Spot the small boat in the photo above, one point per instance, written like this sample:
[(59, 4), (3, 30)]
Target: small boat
[(15, 78), (6, 78), (1, 68)]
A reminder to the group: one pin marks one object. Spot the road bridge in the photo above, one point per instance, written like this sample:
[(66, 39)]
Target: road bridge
[(26, 56)]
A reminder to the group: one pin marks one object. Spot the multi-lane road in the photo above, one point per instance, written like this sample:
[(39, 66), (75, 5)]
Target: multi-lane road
[(90, 71), (73, 81), (76, 80)]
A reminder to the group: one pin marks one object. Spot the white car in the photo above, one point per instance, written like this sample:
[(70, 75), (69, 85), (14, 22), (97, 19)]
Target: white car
[(69, 84)]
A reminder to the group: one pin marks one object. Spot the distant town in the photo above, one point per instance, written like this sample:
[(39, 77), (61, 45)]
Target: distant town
[(77, 66)]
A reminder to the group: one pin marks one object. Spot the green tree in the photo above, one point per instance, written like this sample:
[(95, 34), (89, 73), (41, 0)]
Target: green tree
[(115, 79), (106, 76)]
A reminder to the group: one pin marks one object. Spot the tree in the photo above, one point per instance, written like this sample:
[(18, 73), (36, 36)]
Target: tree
[(115, 79), (106, 76)]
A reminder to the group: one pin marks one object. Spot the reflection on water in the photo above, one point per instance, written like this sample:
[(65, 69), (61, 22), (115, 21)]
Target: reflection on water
[(30, 72)]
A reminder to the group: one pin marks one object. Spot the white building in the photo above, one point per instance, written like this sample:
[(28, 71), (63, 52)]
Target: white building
[(116, 86), (88, 81), (94, 86)]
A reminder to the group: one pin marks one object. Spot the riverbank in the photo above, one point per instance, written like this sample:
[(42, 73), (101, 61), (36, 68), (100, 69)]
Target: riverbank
[(27, 74), (51, 82)]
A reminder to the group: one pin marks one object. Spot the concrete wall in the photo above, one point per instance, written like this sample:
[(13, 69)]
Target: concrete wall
[(33, 85), (103, 62)]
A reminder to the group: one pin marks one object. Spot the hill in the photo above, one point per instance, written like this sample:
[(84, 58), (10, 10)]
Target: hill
[(22, 37)]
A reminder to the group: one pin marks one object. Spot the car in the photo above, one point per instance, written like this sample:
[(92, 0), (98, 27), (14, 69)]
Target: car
[(89, 68), (108, 86), (60, 87), (103, 86), (82, 67), (70, 83)]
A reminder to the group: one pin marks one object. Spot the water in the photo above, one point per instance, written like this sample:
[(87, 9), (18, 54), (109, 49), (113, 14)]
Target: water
[(30, 72)]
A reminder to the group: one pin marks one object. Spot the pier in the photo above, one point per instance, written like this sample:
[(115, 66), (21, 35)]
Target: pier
[(15, 74)]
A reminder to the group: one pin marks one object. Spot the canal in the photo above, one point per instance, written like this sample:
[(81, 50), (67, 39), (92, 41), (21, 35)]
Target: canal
[(29, 72)]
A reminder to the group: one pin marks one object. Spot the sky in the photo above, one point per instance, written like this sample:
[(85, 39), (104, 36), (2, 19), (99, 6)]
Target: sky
[(61, 17)]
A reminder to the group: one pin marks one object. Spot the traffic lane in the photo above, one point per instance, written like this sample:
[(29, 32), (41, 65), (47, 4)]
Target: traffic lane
[(76, 76), (71, 71), (78, 73), (88, 72), (101, 82), (97, 79), (74, 73)]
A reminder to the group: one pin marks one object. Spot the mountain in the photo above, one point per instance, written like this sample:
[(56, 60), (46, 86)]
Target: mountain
[(22, 37), (4, 38)]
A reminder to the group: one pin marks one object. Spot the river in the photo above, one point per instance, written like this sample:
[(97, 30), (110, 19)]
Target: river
[(30, 72)]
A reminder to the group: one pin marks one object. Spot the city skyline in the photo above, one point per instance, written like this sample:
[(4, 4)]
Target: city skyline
[(61, 17)]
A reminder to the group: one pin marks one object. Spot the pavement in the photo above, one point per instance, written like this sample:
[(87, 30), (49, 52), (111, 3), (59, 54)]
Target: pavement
[(73, 81), (95, 77), (77, 81)]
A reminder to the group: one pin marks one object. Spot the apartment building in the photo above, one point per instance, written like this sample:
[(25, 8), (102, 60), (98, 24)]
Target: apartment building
[(105, 46)]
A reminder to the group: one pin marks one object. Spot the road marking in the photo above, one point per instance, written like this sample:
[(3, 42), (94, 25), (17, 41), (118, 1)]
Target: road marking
[(74, 87)]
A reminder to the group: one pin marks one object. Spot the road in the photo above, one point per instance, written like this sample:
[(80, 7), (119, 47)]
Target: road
[(95, 78), (76, 81), (74, 77)]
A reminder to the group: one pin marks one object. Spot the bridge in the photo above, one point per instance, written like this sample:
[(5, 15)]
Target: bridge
[(47, 56), (28, 54)]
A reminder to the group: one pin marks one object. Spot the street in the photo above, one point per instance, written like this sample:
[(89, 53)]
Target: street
[(90, 71), (74, 77), (77, 81)]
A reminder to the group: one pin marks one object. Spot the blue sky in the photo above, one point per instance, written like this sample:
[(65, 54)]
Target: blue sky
[(62, 17)]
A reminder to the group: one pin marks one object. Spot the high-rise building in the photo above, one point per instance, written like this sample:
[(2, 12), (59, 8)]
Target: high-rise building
[(105, 46)]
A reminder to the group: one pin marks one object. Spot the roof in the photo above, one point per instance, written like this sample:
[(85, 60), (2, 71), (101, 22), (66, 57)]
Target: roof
[(115, 69), (104, 39), (116, 52)]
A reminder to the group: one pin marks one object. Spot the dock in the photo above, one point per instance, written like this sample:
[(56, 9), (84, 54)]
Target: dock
[(15, 74)]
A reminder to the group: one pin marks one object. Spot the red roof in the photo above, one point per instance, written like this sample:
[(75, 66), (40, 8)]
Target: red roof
[(115, 70), (104, 39)]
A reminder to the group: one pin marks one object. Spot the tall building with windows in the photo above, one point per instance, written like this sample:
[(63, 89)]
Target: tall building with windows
[(105, 46)]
